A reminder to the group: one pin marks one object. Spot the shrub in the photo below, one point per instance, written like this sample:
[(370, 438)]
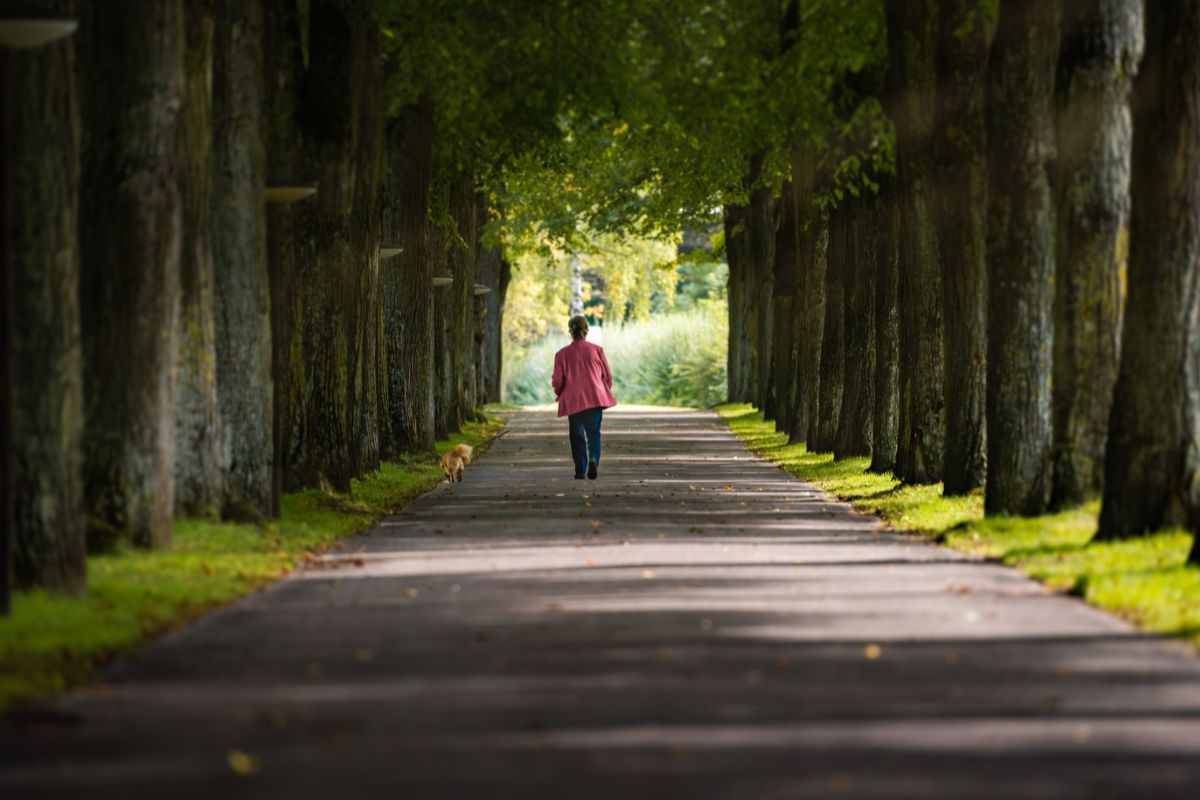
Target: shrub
[(675, 359)]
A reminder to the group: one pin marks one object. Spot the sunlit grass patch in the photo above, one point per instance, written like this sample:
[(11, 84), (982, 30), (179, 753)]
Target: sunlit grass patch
[(51, 642), (1144, 580)]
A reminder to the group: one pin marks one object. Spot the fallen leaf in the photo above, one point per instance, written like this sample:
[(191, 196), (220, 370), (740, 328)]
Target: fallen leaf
[(648, 573), (364, 655), (872, 652), (242, 763), (411, 592)]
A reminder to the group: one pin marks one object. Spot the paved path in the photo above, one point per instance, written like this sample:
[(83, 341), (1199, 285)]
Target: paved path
[(694, 624)]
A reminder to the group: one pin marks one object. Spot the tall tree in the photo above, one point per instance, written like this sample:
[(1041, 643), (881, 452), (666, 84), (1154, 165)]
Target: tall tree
[(1152, 459), (132, 59), (960, 154), (239, 250), (913, 38), (856, 416), (833, 337), (885, 427), (1101, 48), (740, 294), (783, 370), (199, 473), (1020, 254), (408, 281), (809, 376), (40, 224)]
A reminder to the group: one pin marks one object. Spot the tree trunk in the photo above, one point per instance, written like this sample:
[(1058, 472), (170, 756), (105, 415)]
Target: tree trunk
[(491, 270), (1152, 459), (913, 41), (787, 245), (289, 245), (443, 365), (886, 421), (199, 473), (761, 247), (40, 222), (408, 282), (855, 418), (132, 57), (833, 338), (1020, 243), (239, 244), (960, 150), (806, 230), (1101, 48), (819, 236), (327, 284), (736, 255), (463, 265), (366, 319)]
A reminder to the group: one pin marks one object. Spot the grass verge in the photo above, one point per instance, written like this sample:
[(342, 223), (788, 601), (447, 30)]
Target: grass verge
[(53, 642), (1144, 580)]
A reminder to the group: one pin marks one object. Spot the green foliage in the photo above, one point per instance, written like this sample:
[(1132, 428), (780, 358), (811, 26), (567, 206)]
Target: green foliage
[(52, 642), (1145, 580), (676, 360)]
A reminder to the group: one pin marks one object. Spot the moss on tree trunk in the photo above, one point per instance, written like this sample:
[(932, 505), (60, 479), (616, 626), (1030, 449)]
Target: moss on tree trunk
[(1152, 459), (1101, 48), (199, 473)]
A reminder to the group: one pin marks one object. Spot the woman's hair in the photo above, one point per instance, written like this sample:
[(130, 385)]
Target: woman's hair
[(578, 327)]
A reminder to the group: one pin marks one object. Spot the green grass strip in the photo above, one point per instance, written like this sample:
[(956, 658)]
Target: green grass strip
[(1145, 580), (52, 642)]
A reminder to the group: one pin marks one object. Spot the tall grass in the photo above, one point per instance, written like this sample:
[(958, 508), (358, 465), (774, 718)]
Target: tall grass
[(675, 359)]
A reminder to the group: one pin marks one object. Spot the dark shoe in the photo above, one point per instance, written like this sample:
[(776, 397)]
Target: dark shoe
[(592, 468), (578, 477)]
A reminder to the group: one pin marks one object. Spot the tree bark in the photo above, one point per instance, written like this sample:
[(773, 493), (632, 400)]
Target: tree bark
[(960, 151), (408, 282), (1101, 48), (833, 341), (40, 224), (787, 245), (239, 246), (886, 421), (761, 247), (199, 473), (443, 337), (819, 237), (913, 33), (464, 268), (289, 242), (1020, 243), (855, 418), (492, 268), (132, 57), (1152, 459), (736, 255), (366, 315)]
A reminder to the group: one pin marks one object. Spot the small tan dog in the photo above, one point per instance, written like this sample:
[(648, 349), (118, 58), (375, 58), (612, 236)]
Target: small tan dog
[(455, 461)]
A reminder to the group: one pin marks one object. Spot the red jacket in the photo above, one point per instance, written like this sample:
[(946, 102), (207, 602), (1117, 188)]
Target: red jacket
[(582, 379)]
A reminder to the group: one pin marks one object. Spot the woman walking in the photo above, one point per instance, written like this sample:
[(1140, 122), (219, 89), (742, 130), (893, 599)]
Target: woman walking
[(583, 385)]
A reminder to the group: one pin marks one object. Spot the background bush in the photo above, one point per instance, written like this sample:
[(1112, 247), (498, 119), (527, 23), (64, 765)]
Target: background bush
[(673, 359)]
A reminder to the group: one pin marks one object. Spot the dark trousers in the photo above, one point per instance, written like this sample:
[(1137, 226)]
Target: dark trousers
[(584, 429)]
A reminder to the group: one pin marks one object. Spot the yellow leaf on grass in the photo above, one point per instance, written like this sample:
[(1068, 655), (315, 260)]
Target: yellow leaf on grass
[(242, 763)]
